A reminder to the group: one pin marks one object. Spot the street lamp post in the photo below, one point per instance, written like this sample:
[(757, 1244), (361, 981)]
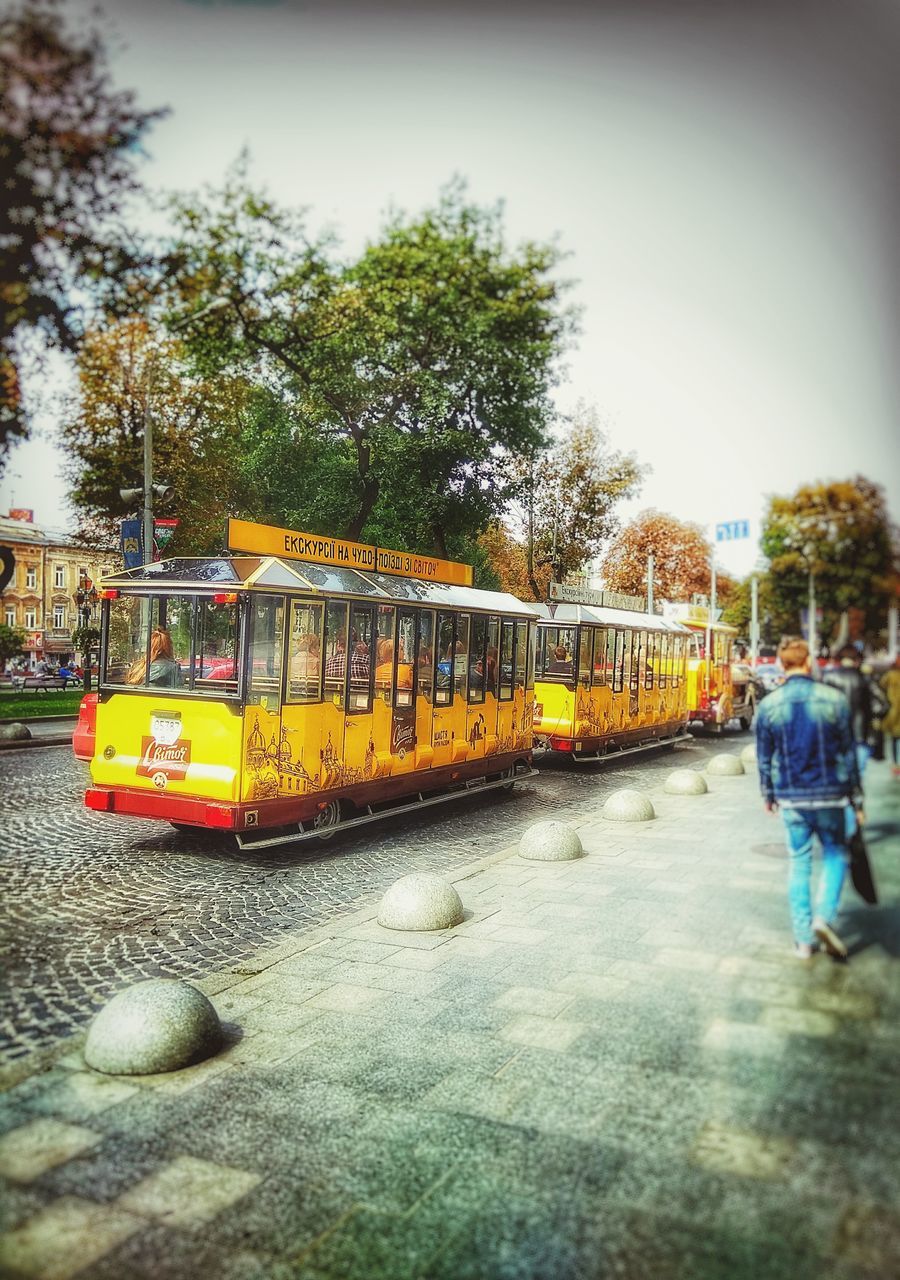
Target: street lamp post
[(86, 599)]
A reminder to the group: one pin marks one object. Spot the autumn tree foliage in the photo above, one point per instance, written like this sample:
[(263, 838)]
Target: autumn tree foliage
[(681, 558), (68, 145)]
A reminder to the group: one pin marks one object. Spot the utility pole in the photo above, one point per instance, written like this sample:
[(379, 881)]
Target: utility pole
[(754, 619), (650, 583), (811, 638)]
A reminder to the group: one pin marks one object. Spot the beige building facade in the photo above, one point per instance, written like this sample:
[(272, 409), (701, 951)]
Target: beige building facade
[(50, 566)]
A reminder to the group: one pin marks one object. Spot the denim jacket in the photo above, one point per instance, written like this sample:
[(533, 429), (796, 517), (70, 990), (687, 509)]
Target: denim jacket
[(804, 744)]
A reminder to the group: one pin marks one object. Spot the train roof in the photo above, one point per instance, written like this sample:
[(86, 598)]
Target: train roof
[(269, 573), (565, 614)]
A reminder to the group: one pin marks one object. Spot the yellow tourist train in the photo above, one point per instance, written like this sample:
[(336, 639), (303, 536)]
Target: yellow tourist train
[(299, 683), (609, 678), (719, 688)]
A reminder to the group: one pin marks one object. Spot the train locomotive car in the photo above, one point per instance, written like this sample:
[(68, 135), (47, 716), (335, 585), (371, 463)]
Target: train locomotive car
[(608, 680), (301, 684)]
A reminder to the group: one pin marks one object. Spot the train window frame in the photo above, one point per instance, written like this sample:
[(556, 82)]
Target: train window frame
[(386, 613), (662, 679), (292, 698), (336, 694), (443, 693), (520, 661), (409, 691), (261, 689), (493, 642), (359, 697), (460, 664), (585, 668), (510, 624), (618, 671), (477, 687), (599, 679), (542, 663), (529, 669), (423, 684), (650, 659)]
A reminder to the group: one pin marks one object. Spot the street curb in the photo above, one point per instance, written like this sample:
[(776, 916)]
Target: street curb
[(39, 719), (44, 740)]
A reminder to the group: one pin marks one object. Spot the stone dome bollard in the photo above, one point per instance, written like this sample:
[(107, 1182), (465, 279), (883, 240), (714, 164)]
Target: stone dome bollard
[(420, 901), (748, 753), (158, 1025), (725, 766), (685, 782), (16, 732), (550, 842), (628, 806)]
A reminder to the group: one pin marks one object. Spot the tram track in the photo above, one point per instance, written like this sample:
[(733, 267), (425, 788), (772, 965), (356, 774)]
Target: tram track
[(91, 903)]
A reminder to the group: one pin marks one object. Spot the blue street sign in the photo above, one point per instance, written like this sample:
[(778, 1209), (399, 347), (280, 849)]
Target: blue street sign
[(732, 529)]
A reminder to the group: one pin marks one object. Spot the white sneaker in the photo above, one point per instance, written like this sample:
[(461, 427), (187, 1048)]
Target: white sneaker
[(804, 950), (833, 944)]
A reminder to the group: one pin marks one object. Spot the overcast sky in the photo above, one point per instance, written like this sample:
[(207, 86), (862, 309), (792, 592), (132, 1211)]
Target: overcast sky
[(723, 176)]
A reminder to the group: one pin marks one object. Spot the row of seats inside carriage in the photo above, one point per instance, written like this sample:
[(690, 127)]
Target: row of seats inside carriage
[(616, 657), (339, 649)]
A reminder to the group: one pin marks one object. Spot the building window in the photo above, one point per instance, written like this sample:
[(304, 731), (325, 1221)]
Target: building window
[(31, 576), (84, 574), (59, 617), (10, 617), (30, 619), (59, 579)]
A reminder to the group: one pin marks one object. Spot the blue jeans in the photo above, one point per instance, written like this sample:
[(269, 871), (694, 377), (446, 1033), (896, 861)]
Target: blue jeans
[(800, 825)]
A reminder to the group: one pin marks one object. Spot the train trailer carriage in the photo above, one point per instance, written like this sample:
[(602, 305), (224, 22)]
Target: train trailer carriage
[(719, 689), (608, 680), (281, 698)]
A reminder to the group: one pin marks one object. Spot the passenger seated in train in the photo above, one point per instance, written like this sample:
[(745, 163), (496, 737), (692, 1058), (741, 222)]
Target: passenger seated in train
[(561, 663)]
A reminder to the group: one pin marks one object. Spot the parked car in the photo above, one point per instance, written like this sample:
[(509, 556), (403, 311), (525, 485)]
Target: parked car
[(86, 728), (767, 677)]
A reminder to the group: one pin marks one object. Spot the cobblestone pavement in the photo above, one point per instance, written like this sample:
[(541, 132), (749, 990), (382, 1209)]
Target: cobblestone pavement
[(92, 903)]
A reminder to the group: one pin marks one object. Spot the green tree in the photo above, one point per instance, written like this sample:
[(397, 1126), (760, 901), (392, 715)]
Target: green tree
[(68, 145), (420, 366), (197, 427), (839, 533), (566, 499), (12, 642)]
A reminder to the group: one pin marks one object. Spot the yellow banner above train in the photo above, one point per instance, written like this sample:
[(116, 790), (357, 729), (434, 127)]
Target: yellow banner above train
[(289, 544)]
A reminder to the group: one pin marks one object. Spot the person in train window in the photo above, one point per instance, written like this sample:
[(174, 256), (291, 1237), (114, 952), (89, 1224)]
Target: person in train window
[(385, 666), (359, 663), (336, 663), (561, 665), (305, 662)]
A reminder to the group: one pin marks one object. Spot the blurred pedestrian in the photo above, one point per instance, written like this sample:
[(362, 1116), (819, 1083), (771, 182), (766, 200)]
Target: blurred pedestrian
[(890, 721), (855, 687), (808, 768)]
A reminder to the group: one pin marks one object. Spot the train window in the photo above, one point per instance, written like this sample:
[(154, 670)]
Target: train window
[(651, 657), (532, 638), (617, 647), (362, 641), (478, 658), (636, 659), (265, 652), (555, 651), (385, 655), (585, 651), (125, 651), (335, 650), (304, 683), (507, 645), (662, 668), (521, 653), (461, 653), (446, 647), (215, 647), (600, 656), (493, 653), (174, 614), (404, 658), (425, 653)]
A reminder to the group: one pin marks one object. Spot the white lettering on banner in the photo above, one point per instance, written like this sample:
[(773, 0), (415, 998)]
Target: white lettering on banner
[(604, 599)]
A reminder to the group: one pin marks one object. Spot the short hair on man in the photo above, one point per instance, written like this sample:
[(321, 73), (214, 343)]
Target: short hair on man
[(849, 653), (793, 652)]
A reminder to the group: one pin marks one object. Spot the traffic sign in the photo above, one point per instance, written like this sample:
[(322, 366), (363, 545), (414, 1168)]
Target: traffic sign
[(731, 530)]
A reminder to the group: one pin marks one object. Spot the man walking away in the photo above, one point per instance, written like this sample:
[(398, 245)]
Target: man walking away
[(808, 767)]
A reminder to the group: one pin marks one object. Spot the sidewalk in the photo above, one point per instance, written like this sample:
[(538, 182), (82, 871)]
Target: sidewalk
[(46, 731), (613, 1068)]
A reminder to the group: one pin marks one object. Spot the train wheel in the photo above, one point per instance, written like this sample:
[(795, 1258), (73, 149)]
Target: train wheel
[(509, 773), (327, 820)]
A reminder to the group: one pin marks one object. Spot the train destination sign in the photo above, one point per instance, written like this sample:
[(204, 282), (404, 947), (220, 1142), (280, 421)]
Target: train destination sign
[(289, 544), (604, 599)]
